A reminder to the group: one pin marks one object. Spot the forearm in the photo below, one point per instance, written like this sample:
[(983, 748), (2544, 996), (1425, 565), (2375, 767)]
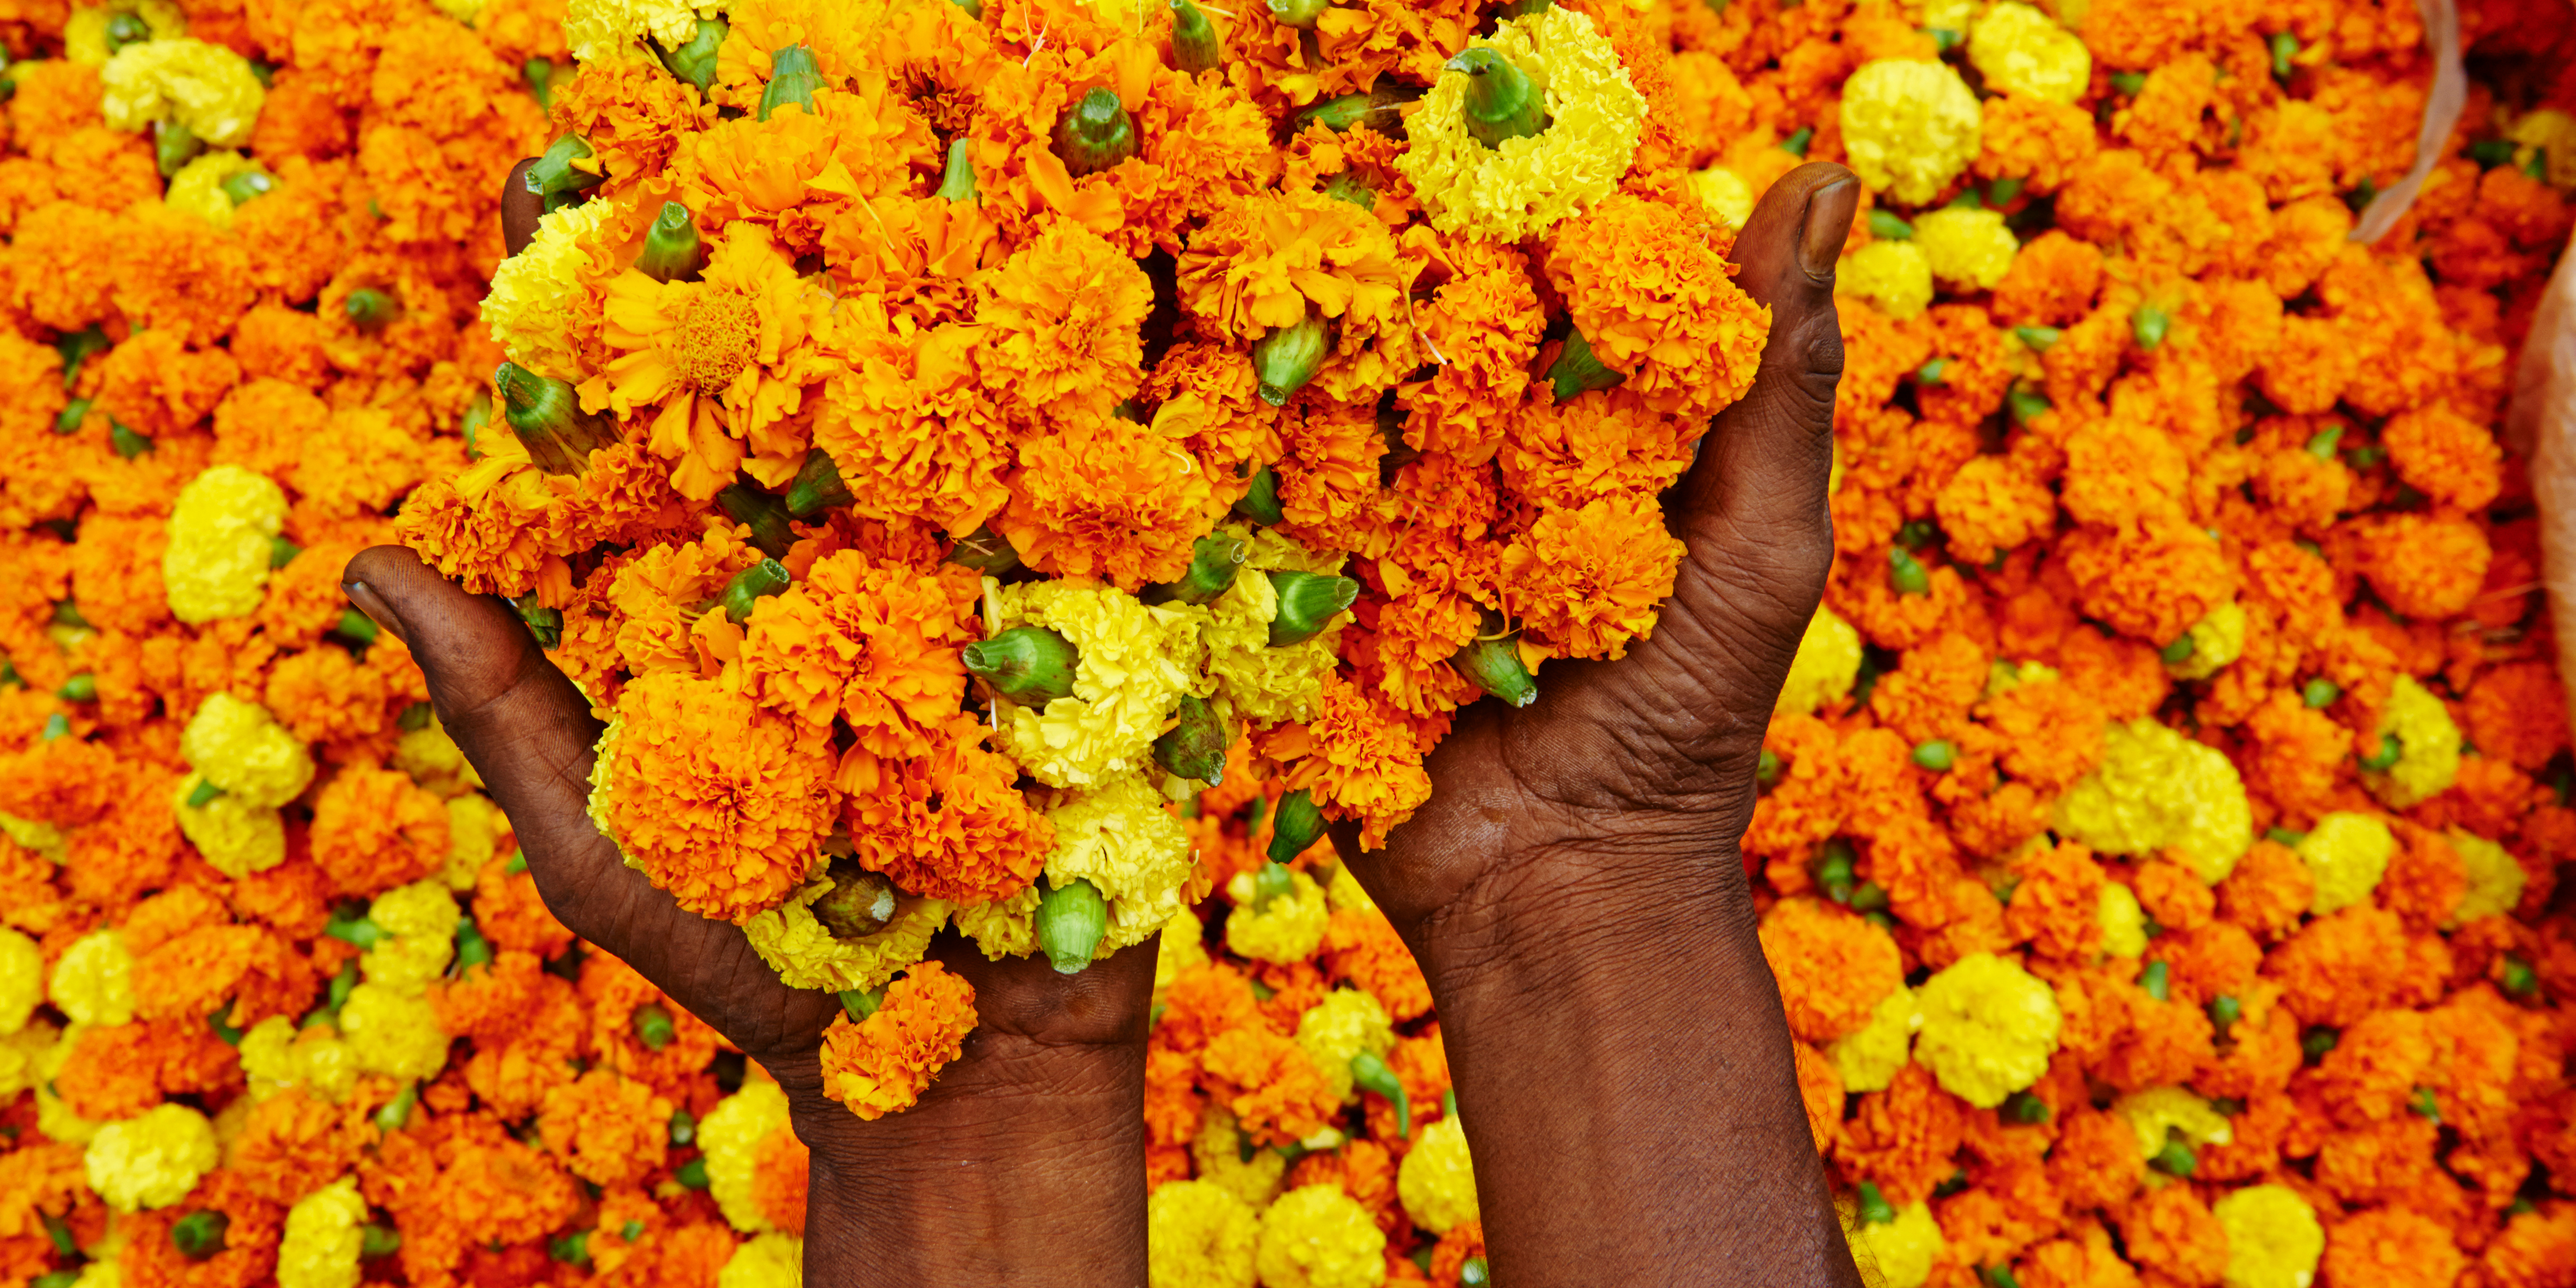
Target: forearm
[(1025, 1163), (1627, 1083)]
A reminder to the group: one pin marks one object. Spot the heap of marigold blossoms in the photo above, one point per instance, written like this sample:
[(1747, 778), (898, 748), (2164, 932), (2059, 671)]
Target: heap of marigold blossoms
[(2158, 859), (943, 437)]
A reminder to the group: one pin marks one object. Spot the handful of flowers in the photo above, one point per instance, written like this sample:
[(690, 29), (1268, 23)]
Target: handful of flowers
[(945, 436)]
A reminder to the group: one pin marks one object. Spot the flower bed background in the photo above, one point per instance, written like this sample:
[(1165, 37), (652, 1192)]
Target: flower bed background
[(2159, 836)]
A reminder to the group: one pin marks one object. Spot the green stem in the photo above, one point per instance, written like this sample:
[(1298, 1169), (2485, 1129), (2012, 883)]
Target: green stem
[(958, 184), (1369, 1073), (173, 146), (539, 73), (1298, 13), (203, 793), (200, 1234), (1260, 502), (860, 1003), (1213, 564), (1494, 663), (554, 174), (1285, 358), (1195, 747), (80, 688), (818, 486), (673, 251), (986, 551), (750, 586), (653, 1027), (793, 78), (543, 622), (1299, 822), (1195, 47), (1307, 604), (1873, 1207), (695, 62), (1095, 133), (1030, 665), (472, 949), (860, 903), (1069, 922), (1502, 103), (1578, 370), (370, 309), (243, 185), (549, 421), (766, 515)]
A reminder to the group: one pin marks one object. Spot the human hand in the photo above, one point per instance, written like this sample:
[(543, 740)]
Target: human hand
[(1023, 1162), (1573, 888)]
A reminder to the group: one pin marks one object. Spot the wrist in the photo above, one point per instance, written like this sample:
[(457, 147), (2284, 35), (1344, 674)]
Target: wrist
[(1576, 919)]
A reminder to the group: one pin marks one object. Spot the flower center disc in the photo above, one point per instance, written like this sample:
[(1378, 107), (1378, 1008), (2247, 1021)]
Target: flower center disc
[(715, 339)]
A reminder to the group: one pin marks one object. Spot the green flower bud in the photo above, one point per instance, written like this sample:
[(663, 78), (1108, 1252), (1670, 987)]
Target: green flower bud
[(2149, 324), (1030, 665), (241, 186), (546, 624), (1886, 226), (282, 552), (73, 415), (1766, 769), (1195, 47), (1380, 109), (1501, 101), (396, 1113), (1095, 133), (1069, 922), (127, 443), (1494, 663), (472, 949), (2039, 338), (1905, 574), (2284, 48), (539, 73), (1930, 373), (2320, 692), (1347, 187), (1299, 823), (200, 1235), (1873, 1207), (1834, 870), (2490, 153), (68, 613), (860, 904), (549, 421), (1798, 141), (2322, 446), (2178, 652), (1271, 881), (750, 586), (2520, 980), (695, 62), (1261, 502), (224, 1033), (378, 1241), (818, 487), (2024, 1108), (1937, 755), (174, 146), (571, 1249), (2390, 750), (2224, 1012), (80, 688), (1868, 897), (554, 176), (1998, 1277), (793, 78), (2027, 404), (692, 1174), (1214, 561), (673, 251), (684, 1127), (860, 1003), (203, 794), (2175, 1159), (2128, 82), (1308, 602), (1475, 1273), (652, 1026), (766, 515), (2002, 191), (1369, 1073), (1578, 370), (2154, 979), (958, 184), (1285, 358), (1298, 13), (1195, 745), (125, 29)]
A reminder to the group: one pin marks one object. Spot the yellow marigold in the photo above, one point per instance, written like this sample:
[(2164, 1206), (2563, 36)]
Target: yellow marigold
[(205, 89), (1988, 1028), (2158, 790), (2346, 855), (1106, 497), (600, 30), (1121, 838), (151, 1161), (2495, 879), (719, 800), (2123, 922), (871, 641), (881, 1064), (473, 836), (1910, 126), (727, 357), (1894, 275), (1366, 764), (236, 837), (529, 310), (1286, 929), (1902, 1250), (198, 188), (1003, 927), (85, 32), (216, 564), (806, 955), (1135, 664), (1319, 1237), (1645, 284), (1528, 184), (1725, 193), (1216, 1156), (952, 824), (21, 1054), (2273, 1239), (730, 1135), (1826, 667), (2428, 747), (93, 982), (1437, 1182), (276, 1055), (2159, 1114), (1336, 1030), (1199, 1235), (419, 921), (2020, 50), (391, 1034), (242, 749), (1966, 249), (1869, 1056), (1584, 582), (2216, 640), (322, 1243), (1268, 684), (772, 1260), (1062, 320), (22, 980)]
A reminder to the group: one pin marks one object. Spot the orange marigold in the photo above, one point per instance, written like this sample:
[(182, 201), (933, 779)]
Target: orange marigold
[(1270, 1083), (374, 829), (607, 1129), (882, 1064), (1061, 322), (1833, 967), (872, 642), (951, 824), (1584, 582), (1366, 765), (1647, 284), (1107, 498)]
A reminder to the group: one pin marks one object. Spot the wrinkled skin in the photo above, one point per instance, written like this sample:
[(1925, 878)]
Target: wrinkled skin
[(1575, 863)]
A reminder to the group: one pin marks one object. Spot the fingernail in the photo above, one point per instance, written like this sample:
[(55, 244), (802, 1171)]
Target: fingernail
[(1829, 212), (376, 609)]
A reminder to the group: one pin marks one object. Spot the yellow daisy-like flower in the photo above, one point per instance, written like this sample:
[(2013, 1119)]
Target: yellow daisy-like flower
[(529, 310), (1135, 664), (599, 30), (1265, 683), (1527, 184), (728, 357), (806, 955), (198, 188), (1122, 840), (205, 88), (1910, 126)]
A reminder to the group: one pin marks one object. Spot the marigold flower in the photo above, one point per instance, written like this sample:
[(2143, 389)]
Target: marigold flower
[(1527, 184), (883, 1063), (152, 1160), (1868, 1058), (535, 301), (1136, 661), (1586, 581), (1198, 1232), (1319, 1237), (1107, 498), (1060, 322), (806, 954), (730, 1136), (1988, 1028), (602, 31), (207, 90), (220, 527), (374, 827), (720, 801), (2023, 51), (2157, 790), (1967, 249), (1909, 126), (2428, 746), (1658, 303), (1436, 1183), (1834, 968)]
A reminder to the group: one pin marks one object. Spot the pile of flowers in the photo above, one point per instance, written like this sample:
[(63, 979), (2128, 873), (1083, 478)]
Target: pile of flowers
[(995, 503)]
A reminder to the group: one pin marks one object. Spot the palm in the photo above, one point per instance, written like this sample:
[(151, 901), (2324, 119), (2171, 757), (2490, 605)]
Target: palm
[(1664, 741)]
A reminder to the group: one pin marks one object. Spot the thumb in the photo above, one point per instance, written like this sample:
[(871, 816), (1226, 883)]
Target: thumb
[(520, 209), (1764, 469)]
